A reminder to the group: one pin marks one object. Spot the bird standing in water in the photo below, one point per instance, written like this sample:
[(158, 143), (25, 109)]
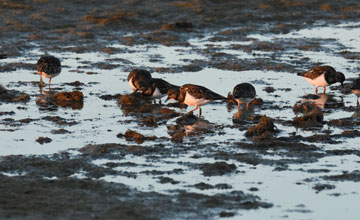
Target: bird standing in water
[(49, 67), (158, 88), (139, 79), (195, 95), (244, 93), (322, 76)]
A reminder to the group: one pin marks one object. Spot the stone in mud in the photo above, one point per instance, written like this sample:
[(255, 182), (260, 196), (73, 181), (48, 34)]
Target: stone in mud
[(74, 99), (131, 135), (265, 124), (131, 100), (217, 168), (12, 96), (224, 214), (305, 107), (178, 137), (75, 84), (269, 89), (43, 140), (320, 187), (149, 121)]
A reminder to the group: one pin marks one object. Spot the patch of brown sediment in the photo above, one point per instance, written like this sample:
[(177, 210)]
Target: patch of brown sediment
[(177, 137), (305, 107), (109, 18), (133, 99), (43, 140), (13, 96), (264, 127), (178, 26), (59, 121), (344, 122), (217, 168), (131, 135), (346, 176), (74, 99), (312, 114), (311, 119), (75, 84)]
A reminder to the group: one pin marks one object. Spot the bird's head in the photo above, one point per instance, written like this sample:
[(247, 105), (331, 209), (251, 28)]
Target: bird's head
[(173, 94), (340, 77)]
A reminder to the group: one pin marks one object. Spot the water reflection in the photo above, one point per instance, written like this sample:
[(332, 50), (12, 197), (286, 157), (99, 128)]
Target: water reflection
[(243, 114), (50, 99)]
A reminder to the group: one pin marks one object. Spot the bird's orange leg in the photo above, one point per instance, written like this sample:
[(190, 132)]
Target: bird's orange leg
[(41, 82), (194, 109), (324, 89), (316, 90)]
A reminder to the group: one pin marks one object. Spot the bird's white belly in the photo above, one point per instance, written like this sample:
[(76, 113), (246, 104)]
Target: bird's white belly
[(131, 84), (243, 100), (49, 75), (319, 81), (157, 94), (191, 100)]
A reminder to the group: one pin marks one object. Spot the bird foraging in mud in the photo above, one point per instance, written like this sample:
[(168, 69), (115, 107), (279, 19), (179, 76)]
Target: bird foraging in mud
[(322, 76), (355, 88), (139, 79), (158, 88), (194, 95), (243, 93), (49, 67)]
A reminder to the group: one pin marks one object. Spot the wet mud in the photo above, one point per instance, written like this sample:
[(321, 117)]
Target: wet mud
[(46, 186)]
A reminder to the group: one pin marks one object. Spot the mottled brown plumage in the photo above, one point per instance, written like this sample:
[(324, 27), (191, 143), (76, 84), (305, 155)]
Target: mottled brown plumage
[(139, 79), (158, 88), (322, 76), (49, 67), (195, 95), (243, 93)]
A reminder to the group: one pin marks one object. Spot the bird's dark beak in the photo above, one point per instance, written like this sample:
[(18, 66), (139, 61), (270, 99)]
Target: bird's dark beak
[(167, 99)]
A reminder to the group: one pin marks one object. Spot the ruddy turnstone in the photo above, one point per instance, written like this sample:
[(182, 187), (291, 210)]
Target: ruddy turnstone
[(193, 95), (244, 93), (355, 87), (139, 79), (158, 88), (322, 76), (49, 67)]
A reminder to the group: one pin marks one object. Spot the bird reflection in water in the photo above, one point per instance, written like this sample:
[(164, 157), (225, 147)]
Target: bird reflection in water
[(192, 125), (49, 99)]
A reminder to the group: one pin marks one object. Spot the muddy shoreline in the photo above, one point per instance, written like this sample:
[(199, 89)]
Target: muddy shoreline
[(70, 186)]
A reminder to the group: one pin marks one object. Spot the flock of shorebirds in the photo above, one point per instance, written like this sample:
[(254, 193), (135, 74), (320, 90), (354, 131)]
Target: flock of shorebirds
[(142, 82)]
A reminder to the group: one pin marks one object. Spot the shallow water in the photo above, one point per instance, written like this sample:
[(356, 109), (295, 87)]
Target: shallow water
[(99, 121)]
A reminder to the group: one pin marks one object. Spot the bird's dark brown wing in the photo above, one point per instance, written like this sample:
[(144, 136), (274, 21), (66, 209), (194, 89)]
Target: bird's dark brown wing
[(317, 71), (49, 65), (202, 92)]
